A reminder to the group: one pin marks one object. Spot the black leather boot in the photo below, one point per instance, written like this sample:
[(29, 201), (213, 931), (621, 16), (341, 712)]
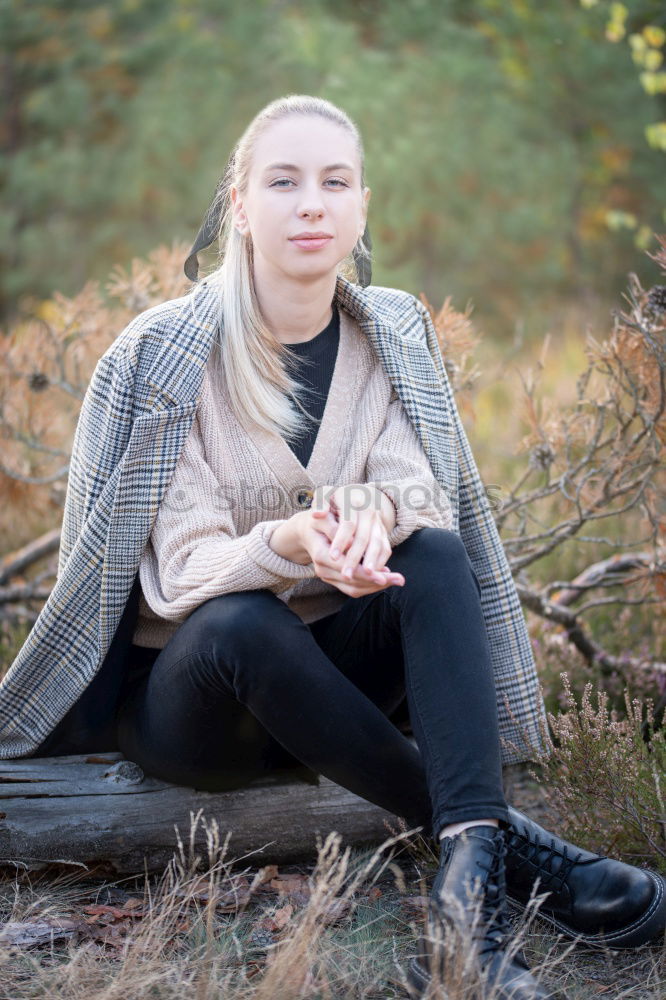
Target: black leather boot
[(591, 898), (467, 930)]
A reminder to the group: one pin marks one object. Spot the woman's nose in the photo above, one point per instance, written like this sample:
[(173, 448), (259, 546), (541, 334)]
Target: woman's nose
[(310, 202)]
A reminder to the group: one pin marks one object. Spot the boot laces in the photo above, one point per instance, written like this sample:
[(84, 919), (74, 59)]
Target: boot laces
[(552, 863), (493, 916)]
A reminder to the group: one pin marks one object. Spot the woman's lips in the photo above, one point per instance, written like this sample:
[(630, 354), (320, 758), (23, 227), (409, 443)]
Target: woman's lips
[(313, 244)]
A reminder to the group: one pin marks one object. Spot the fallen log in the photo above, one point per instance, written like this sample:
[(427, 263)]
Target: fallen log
[(102, 813)]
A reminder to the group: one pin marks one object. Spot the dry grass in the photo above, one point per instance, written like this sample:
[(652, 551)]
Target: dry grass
[(344, 926)]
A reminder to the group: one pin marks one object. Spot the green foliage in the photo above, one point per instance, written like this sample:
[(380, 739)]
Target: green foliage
[(498, 137)]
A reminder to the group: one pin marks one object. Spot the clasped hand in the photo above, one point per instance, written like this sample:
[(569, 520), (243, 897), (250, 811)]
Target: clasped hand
[(347, 538)]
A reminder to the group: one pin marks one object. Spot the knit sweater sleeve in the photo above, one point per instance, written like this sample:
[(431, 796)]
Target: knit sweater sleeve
[(194, 553), (399, 467)]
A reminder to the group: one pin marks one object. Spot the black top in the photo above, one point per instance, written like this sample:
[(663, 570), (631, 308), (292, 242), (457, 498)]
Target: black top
[(315, 375)]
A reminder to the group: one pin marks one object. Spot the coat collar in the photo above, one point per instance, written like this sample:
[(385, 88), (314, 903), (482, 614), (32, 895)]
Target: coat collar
[(396, 334), (204, 308)]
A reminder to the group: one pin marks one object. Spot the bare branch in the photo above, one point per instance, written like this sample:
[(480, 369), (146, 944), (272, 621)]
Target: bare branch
[(23, 592), (35, 480), (576, 634), (17, 562), (606, 573)]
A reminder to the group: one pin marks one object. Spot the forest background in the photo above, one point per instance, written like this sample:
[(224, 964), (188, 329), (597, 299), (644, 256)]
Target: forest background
[(505, 141)]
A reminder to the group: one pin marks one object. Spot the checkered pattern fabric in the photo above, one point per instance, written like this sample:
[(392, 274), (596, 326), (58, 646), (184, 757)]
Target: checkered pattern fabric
[(135, 418)]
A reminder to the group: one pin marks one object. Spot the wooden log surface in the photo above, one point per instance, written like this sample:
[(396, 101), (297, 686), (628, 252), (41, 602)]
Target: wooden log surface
[(99, 811)]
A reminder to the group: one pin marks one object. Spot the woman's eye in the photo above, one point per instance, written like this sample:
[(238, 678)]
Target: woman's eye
[(287, 180)]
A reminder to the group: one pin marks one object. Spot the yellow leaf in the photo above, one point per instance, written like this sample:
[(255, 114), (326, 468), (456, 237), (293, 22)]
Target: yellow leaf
[(615, 29), (653, 59), (643, 238), (654, 83), (654, 35), (656, 135), (616, 219)]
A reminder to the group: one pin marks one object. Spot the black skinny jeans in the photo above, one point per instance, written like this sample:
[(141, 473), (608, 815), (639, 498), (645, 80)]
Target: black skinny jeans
[(244, 686)]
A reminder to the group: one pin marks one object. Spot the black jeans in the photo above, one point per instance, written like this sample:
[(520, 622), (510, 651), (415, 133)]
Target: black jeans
[(245, 686)]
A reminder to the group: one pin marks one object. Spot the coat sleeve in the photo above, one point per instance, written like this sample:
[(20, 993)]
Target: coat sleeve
[(194, 552), (399, 467), (100, 439), (516, 677)]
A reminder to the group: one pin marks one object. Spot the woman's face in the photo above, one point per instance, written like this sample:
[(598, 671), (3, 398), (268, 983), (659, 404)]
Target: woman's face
[(305, 178)]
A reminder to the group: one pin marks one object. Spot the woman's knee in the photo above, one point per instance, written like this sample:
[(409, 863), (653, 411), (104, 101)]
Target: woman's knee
[(436, 548), (240, 615), (438, 542), (230, 636)]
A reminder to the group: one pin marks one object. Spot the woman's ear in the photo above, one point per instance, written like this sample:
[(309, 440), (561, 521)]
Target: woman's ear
[(239, 216)]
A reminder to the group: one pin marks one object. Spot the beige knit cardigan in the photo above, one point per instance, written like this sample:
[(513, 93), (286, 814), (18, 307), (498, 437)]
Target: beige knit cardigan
[(231, 488)]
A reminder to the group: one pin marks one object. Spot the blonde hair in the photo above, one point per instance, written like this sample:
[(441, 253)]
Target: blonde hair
[(253, 364)]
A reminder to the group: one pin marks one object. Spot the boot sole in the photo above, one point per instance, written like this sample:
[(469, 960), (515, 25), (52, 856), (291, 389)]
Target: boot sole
[(648, 928), (417, 980)]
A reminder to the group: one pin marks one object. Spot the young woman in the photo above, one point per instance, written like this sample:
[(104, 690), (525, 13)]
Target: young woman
[(276, 540)]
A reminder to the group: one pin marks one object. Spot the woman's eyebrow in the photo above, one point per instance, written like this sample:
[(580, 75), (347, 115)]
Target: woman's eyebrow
[(293, 166)]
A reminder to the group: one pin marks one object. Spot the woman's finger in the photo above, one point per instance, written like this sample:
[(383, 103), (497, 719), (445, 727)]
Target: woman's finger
[(378, 549), (344, 536), (358, 586), (326, 525), (357, 549)]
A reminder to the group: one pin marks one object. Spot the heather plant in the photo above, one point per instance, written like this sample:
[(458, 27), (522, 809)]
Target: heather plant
[(630, 629), (605, 779)]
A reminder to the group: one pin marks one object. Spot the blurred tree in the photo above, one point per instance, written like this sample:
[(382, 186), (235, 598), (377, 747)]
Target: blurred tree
[(68, 69), (498, 136), (643, 24)]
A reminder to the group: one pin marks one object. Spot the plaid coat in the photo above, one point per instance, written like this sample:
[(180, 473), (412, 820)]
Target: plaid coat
[(134, 420)]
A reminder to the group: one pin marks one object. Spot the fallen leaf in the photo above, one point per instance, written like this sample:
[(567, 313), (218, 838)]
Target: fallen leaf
[(253, 968), (276, 922), (265, 875), (133, 903), (289, 883)]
